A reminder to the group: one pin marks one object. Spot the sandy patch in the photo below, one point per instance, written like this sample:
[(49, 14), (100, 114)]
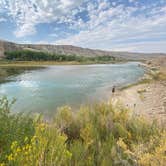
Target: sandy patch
[(147, 99)]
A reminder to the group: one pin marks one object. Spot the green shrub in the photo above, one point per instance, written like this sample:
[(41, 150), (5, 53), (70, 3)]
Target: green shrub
[(28, 55), (102, 135), (12, 127)]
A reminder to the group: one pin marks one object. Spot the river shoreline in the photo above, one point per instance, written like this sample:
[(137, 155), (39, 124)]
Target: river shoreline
[(4, 63), (147, 97)]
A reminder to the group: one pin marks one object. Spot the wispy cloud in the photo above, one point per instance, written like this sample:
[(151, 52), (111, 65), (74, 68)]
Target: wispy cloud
[(115, 27), (29, 13), (132, 25), (2, 19)]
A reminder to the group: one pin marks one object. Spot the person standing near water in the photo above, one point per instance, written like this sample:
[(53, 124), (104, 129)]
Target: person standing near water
[(113, 90)]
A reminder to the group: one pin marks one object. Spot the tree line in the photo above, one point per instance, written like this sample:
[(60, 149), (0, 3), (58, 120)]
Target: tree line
[(28, 55)]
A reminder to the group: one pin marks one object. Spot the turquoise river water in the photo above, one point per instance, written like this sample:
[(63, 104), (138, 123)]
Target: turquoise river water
[(45, 89)]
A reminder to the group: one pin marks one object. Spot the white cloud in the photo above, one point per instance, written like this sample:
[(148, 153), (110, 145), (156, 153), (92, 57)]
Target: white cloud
[(25, 29), (29, 13), (132, 1), (117, 28), (3, 19), (110, 25), (145, 47)]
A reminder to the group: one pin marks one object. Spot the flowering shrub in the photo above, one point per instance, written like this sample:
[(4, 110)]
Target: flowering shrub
[(13, 127), (46, 147), (102, 135)]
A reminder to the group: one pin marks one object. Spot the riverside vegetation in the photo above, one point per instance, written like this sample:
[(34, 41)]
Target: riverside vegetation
[(28, 55), (100, 135)]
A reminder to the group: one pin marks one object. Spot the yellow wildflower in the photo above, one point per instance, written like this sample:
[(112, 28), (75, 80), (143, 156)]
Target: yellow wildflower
[(15, 154), (27, 146), (18, 150), (26, 139), (121, 144), (68, 154), (62, 138), (10, 157), (2, 164), (86, 134), (26, 153), (128, 152), (33, 139), (14, 145)]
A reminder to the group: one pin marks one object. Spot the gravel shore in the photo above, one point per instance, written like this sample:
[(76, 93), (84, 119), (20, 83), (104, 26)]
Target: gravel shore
[(147, 99)]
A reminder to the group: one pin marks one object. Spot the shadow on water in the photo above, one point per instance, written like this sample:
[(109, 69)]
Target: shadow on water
[(7, 72)]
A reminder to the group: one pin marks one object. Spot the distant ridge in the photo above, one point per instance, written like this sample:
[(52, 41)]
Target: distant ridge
[(73, 50)]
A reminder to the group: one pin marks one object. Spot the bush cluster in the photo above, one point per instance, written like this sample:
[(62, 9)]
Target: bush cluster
[(27, 55), (102, 135)]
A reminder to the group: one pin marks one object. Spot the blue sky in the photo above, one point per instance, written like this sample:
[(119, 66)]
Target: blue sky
[(118, 25)]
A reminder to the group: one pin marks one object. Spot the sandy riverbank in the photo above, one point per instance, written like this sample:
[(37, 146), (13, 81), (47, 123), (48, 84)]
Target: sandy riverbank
[(147, 99)]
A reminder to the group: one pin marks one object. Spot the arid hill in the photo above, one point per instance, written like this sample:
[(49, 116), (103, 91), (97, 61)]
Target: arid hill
[(73, 50)]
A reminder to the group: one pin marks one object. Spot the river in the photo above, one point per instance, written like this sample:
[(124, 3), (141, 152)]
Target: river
[(45, 89)]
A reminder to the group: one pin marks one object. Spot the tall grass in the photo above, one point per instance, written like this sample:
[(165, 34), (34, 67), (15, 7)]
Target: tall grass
[(101, 135)]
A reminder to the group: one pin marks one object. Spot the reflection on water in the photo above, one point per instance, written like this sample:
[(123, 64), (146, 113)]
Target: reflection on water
[(6, 72), (43, 90)]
